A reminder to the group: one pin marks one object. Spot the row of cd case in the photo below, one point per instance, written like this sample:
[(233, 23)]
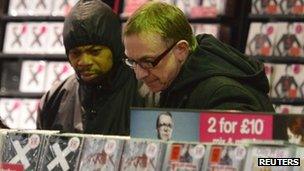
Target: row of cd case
[(273, 7), (40, 150), (276, 39), (40, 7), (46, 37), (191, 8), (33, 37), (33, 76)]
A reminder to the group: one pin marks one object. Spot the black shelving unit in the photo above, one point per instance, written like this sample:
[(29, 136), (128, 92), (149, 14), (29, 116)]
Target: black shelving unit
[(295, 101), (6, 18), (53, 57), (276, 18), (18, 58), (280, 59)]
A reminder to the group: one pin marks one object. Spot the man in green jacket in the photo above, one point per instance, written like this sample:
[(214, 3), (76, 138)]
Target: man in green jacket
[(191, 72)]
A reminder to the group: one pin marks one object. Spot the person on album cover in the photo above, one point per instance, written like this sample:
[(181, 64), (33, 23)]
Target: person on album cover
[(164, 126), (288, 44), (295, 130), (292, 6), (266, 6), (97, 98), (261, 44), (286, 87), (197, 72)]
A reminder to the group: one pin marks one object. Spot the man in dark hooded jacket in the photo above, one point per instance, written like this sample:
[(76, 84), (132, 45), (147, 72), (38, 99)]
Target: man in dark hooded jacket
[(191, 72), (98, 97)]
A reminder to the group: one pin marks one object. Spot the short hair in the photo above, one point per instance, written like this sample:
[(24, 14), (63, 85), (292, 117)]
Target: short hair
[(161, 18), (160, 114)]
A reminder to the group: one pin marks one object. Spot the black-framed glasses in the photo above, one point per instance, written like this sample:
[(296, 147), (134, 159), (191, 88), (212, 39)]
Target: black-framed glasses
[(148, 65)]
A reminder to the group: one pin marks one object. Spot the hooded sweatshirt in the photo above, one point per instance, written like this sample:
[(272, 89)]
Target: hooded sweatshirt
[(102, 108), (217, 76)]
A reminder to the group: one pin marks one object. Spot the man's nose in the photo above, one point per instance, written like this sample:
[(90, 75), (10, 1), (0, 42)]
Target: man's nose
[(84, 60), (140, 72)]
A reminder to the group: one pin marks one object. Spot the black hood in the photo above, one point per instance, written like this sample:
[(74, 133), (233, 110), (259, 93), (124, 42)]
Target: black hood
[(93, 22), (222, 60)]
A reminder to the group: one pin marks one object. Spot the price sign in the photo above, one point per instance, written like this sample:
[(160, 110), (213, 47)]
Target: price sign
[(227, 127)]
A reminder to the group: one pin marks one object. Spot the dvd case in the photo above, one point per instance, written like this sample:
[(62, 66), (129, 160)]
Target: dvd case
[(184, 156), (56, 72), (19, 7), (55, 39), (16, 38), (142, 154), (267, 151), (62, 7), (10, 111), (23, 148), (101, 153), (61, 153), (261, 39), (32, 76), (227, 157), (285, 82), (289, 40)]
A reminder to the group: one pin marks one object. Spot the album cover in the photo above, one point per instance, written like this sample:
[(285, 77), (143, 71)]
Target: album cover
[(295, 7), (28, 117), (219, 5), (142, 154), (261, 39), (61, 153), (40, 7), (56, 72), (10, 111), (289, 109), (19, 7), (212, 29), (186, 5), (38, 37), (269, 7), (62, 7), (101, 153), (10, 76), (227, 157), (289, 40), (22, 148), (129, 6), (184, 156), (55, 39), (264, 151), (16, 38), (286, 81), (289, 128), (32, 76)]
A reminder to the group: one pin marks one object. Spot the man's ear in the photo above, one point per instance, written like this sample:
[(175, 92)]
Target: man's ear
[(182, 50)]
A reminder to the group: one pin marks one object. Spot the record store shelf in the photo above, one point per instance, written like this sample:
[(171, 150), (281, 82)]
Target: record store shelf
[(280, 59), (295, 101), (274, 18), (53, 57), (32, 18)]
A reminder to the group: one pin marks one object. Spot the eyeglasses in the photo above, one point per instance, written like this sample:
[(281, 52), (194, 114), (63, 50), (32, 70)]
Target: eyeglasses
[(145, 64)]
